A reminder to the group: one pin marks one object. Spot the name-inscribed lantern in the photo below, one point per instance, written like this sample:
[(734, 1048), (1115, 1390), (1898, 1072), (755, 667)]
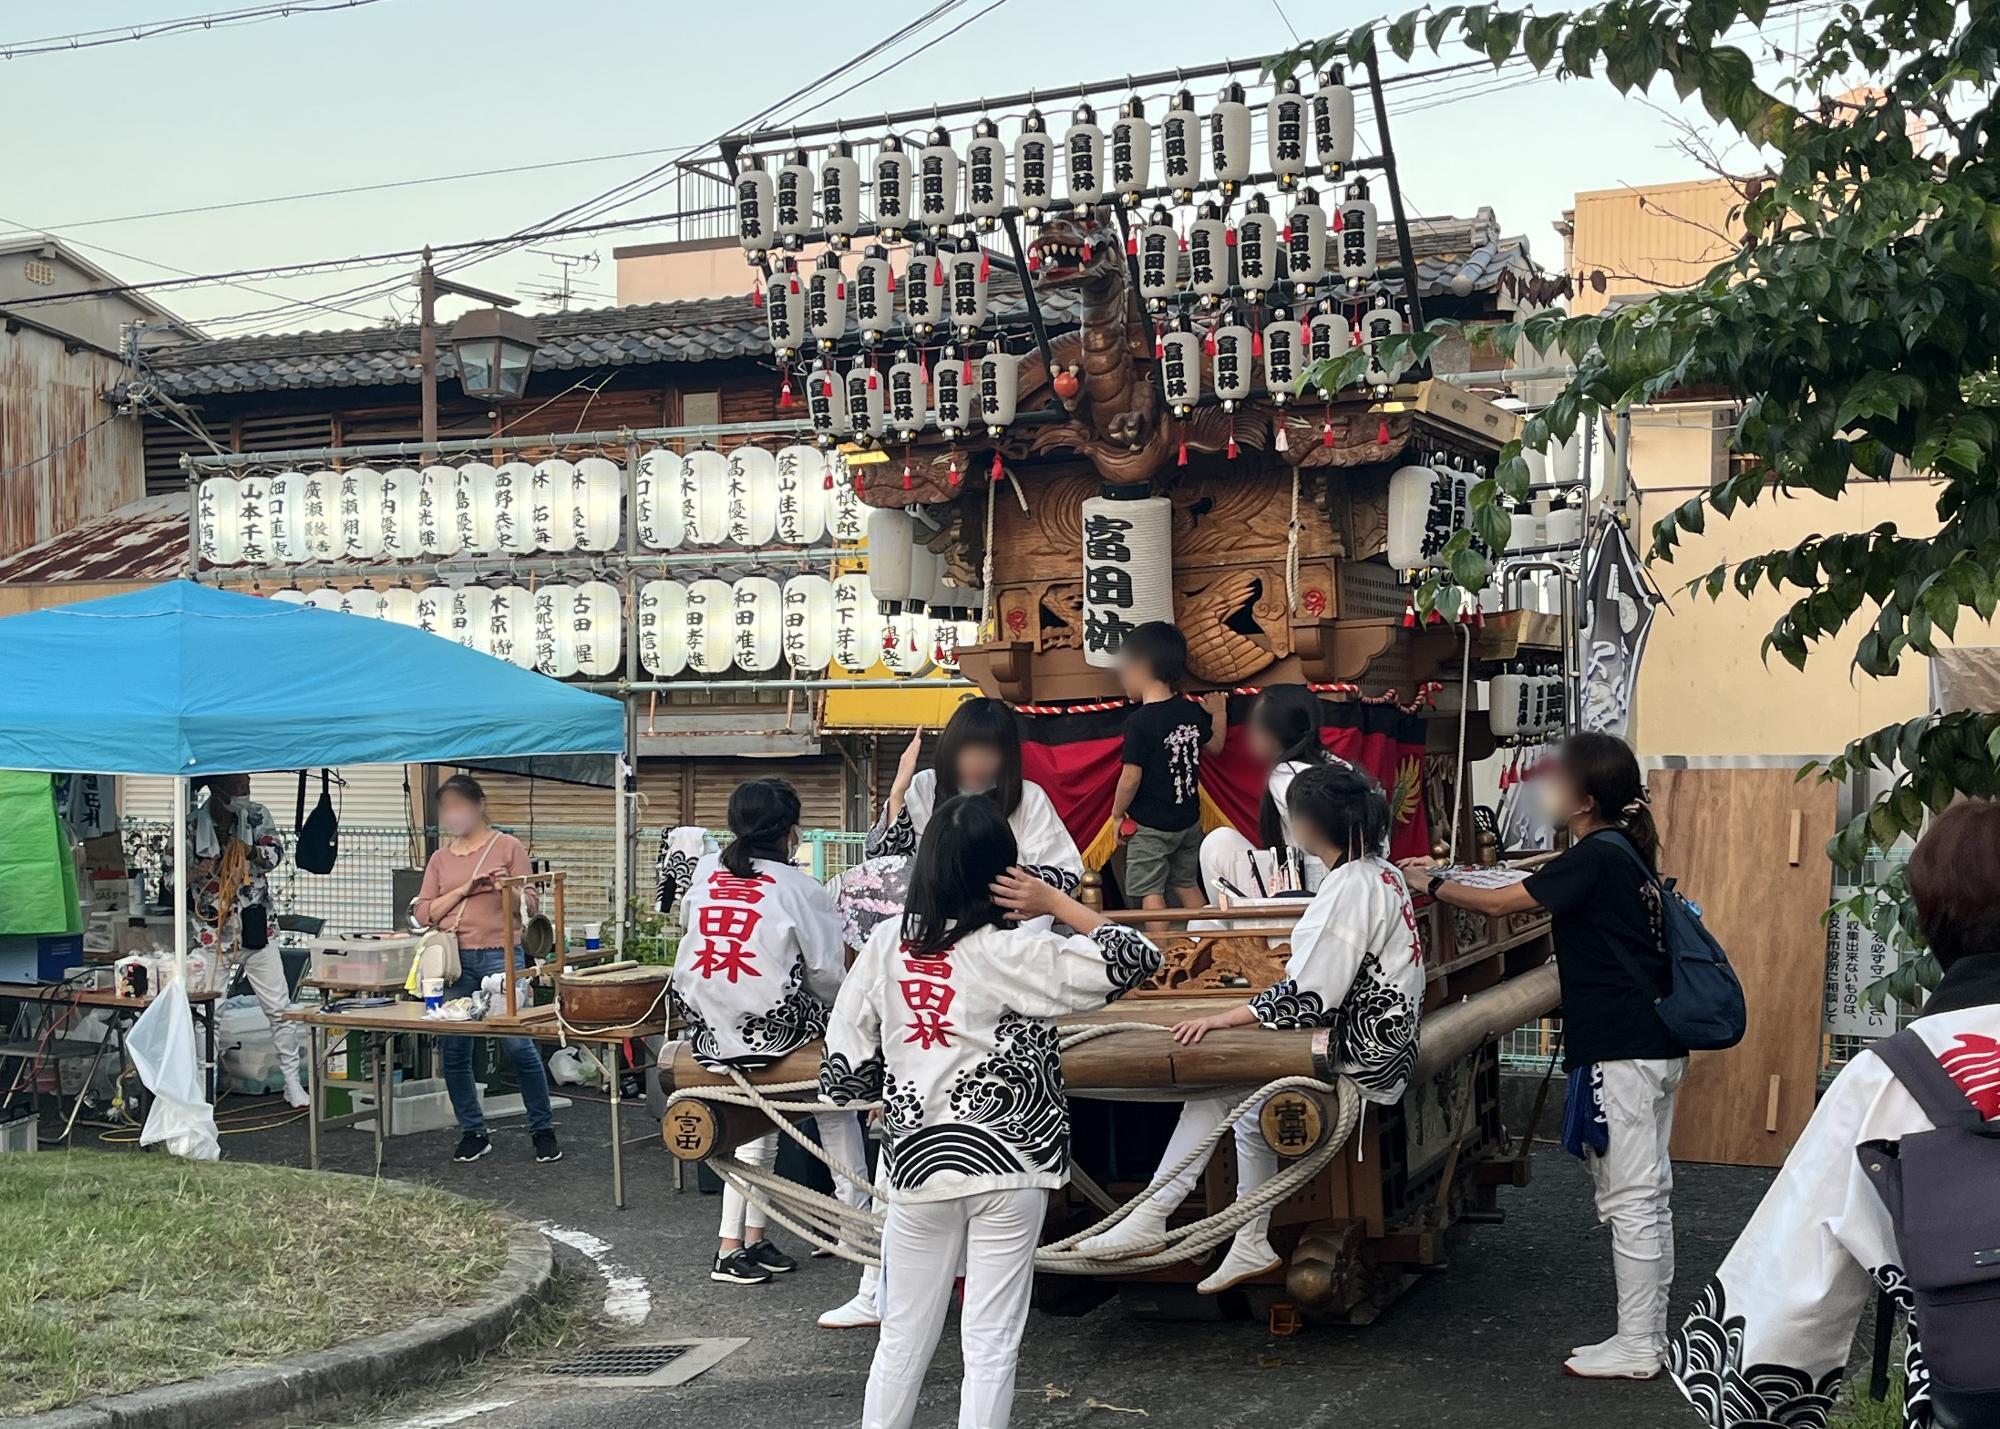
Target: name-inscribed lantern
[(1231, 363), (874, 295), (216, 505), (847, 518), (705, 497), (1159, 260), (597, 496), (551, 506), (1180, 370), (825, 403), (319, 509), (826, 301), (937, 181), (756, 624), (753, 208), (802, 495), (1285, 132), (1358, 234), (433, 609), (437, 510), (967, 272), (513, 529), (1128, 570), (866, 412), (510, 627), (752, 486), (907, 398), (1333, 124), (951, 384), (892, 188), (1131, 151), (554, 654), (597, 628), (1327, 337), (791, 199), (659, 499), (985, 173), (1034, 165), (707, 626), (857, 625), (1208, 254), (253, 520), (840, 193), (785, 311), (1180, 147), (662, 628), (808, 623), (284, 509), (1083, 157), (1283, 345), (999, 382), (1427, 507), (1376, 324), (361, 512), (923, 290), (1305, 242), (474, 502)]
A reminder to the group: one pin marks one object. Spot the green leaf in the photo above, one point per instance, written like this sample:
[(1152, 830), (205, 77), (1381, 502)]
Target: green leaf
[(1539, 40), (1503, 29), (1403, 35), (1439, 24)]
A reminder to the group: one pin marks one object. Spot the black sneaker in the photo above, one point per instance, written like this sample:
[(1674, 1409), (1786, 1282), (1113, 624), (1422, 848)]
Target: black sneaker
[(472, 1145), (546, 1148), (737, 1268), (763, 1253)]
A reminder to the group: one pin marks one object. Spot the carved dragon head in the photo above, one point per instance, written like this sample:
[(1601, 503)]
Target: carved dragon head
[(1080, 250)]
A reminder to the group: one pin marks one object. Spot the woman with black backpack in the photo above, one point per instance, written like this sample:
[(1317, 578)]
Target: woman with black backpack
[(1624, 1065)]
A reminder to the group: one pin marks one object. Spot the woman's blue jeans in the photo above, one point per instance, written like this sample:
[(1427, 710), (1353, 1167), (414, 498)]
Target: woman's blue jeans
[(474, 966)]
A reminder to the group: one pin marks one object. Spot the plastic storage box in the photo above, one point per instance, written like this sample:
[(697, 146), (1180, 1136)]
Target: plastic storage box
[(361, 960)]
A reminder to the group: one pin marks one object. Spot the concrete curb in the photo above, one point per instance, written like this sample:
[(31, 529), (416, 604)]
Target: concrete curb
[(328, 1379)]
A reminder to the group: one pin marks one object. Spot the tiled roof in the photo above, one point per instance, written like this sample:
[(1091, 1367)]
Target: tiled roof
[(141, 541)]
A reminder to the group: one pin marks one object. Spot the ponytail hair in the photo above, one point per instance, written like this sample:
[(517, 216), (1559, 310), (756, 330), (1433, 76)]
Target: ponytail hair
[(1345, 807), (1603, 768), (762, 815), (1290, 714)]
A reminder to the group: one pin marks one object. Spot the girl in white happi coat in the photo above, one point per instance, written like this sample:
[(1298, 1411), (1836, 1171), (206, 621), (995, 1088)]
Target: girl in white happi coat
[(1769, 1337), (946, 1019), (1356, 966), (1284, 732), (760, 963), (978, 753)]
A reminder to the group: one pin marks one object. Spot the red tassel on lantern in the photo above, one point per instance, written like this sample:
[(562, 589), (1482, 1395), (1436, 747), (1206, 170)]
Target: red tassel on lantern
[(757, 294), (1337, 224), (840, 291), (937, 278), (1285, 235), (1326, 432), (951, 468), (1229, 237), (1034, 260), (966, 375), (1279, 441), (985, 265), (860, 487), (999, 472), (1132, 248), (826, 482), (1208, 342), (1409, 614), (1257, 342), (874, 379), (1232, 447), (785, 392), (1182, 461), (892, 280), (1381, 431), (1159, 343), (908, 482)]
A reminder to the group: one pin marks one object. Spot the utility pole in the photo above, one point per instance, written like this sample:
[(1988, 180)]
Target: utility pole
[(429, 285)]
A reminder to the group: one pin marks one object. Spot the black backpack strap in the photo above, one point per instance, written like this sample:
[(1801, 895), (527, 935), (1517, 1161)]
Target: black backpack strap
[(1623, 954), (1910, 1059), (299, 815)]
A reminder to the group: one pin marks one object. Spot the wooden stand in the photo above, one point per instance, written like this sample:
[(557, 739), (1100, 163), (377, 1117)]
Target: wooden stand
[(511, 891)]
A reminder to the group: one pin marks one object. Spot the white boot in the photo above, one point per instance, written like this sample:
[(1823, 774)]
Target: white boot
[(1144, 1232), (1635, 1352), (1250, 1255), (295, 1092), (860, 1313)]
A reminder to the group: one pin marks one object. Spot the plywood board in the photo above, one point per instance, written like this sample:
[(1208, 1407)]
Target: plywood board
[(1748, 845)]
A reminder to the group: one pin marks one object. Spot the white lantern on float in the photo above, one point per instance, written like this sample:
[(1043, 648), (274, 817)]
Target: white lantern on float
[(1284, 356), (1131, 152), (284, 511), (1510, 705), (1327, 337), (327, 597), (1231, 364), (1180, 147), (866, 412), (791, 199), (985, 173), (1566, 460), (1358, 233), (662, 633), (756, 624), (785, 311), (1286, 121), (1208, 255), (847, 518), (857, 625), (908, 398), (1159, 259), (290, 595), (966, 273), (437, 510), (1333, 124), (891, 189), (707, 626), (807, 602), (1229, 139), (319, 511), (216, 504), (1083, 158), (826, 301), (999, 384), (906, 643), (951, 391), (597, 628), (874, 294), (1305, 243), (1427, 507), (471, 616), (752, 489), (1034, 166), (399, 606), (510, 630), (433, 614), (1128, 569), (937, 181), (804, 480), (754, 207), (891, 541), (1259, 241), (1564, 526), (552, 505), (1180, 369), (477, 534), (253, 519), (513, 528), (554, 654), (925, 291), (1376, 324), (705, 497), (361, 512), (1526, 530), (923, 575), (840, 193), (826, 403), (659, 499), (597, 498)]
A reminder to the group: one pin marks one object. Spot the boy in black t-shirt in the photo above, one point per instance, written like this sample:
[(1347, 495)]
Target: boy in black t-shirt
[(1157, 809)]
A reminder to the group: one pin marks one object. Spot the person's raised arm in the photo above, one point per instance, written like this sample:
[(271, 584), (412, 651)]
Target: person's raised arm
[(1429, 876)]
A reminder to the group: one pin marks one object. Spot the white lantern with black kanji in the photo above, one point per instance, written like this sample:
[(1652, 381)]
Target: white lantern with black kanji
[(1510, 702), (551, 505), (807, 604), (597, 629), (1333, 124), (704, 492), (803, 482), (1208, 254), (554, 655), (906, 643), (756, 624), (826, 402), (1034, 166), (792, 199), (1180, 147), (985, 173), (937, 181), (1231, 364), (597, 501), (1083, 158), (705, 628), (221, 538), (840, 194), (826, 302), (1327, 336), (907, 398), (361, 512), (398, 607), (892, 188), (752, 481), (1259, 241), (1286, 122), (319, 510), (999, 383), (874, 286), (1358, 233), (512, 531), (857, 625), (662, 628), (1305, 243), (659, 499), (1376, 324), (966, 272), (1159, 260), (1131, 152), (1427, 507), (437, 508), (1284, 357), (1128, 568), (292, 595), (477, 534), (328, 597), (1180, 369), (867, 414), (924, 290), (952, 394), (785, 311), (754, 207), (510, 632), (1229, 139), (284, 509), (846, 518), (891, 539), (253, 501)]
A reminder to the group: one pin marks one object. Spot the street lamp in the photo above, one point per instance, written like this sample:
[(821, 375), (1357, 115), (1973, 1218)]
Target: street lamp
[(495, 350), (495, 365)]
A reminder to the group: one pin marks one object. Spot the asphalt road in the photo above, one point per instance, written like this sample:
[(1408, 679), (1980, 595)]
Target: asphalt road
[(1481, 1343)]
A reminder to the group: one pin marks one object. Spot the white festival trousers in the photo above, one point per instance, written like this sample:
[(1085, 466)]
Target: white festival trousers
[(1256, 1162), (839, 1136), (996, 1233), (1633, 1183), (264, 970)]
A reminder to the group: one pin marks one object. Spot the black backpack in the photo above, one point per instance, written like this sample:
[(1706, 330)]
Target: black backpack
[(1703, 1005), (319, 831), (1942, 1190)]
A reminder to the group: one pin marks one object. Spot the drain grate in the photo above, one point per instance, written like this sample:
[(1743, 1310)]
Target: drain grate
[(656, 1365)]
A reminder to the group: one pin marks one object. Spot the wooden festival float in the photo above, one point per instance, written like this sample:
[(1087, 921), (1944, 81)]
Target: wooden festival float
[(1137, 437)]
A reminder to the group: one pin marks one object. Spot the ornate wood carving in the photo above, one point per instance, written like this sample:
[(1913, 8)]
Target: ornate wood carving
[(1213, 961)]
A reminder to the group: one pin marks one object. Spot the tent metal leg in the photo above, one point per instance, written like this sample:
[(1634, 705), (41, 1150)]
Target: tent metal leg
[(379, 1048), (615, 1075), (316, 1093)]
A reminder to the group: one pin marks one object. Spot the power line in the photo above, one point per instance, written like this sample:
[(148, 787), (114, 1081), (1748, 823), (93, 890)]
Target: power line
[(220, 19)]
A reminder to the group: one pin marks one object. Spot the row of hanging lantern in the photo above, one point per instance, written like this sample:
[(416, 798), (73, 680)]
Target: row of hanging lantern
[(956, 394), (746, 496), (1428, 505), (558, 628), (809, 622), (1523, 704), (925, 610)]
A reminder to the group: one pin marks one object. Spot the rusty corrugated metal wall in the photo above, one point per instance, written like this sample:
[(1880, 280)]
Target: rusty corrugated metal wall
[(50, 396)]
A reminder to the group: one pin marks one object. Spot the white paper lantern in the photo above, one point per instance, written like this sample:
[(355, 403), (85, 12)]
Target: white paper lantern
[(985, 173), (707, 626), (807, 602), (925, 291), (705, 497), (552, 507), (867, 415), (1510, 705), (753, 208), (510, 629), (216, 505), (923, 579), (253, 519), (402, 493), (1034, 166), (791, 198), (1358, 233), (326, 598), (399, 606), (1286, 121), (659, 499), (1327, 337), (891, 189), (874, 288), (951, 391), (847, 518), (361, 513), (1333, 124), (1376, 324), (1230, 366), (1159, 259), (284, 510), (513, 501), (1083, 158), (752, 486), (906, 643), (966, 272), (361, 600), (1229, 138), (1566, 458), (804, 480), (1284, 351), (1305, 243), (937, 181), (908, 398), (662, 633), (1208, 254), (785, 311), (290, 595), (554, 655), (1180, 371), (1131, 151), (857, 625), (1180, 147), (433, 615), (826, 301), (319, 515), (756, 624), (999, 384), (826, 401), (1259, 242), (1128, 571), (1427, 506), (597, 628), (1526, 530), (840, 191), (1564, 526), (437, 510), (597, 497), (471, 608), (891, 540)]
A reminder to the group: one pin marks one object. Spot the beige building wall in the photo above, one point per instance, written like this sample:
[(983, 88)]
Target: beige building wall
[(1645, 239)]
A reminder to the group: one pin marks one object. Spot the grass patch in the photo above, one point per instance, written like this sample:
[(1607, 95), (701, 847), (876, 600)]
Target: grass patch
[(120, 1271), (1857, 1411)]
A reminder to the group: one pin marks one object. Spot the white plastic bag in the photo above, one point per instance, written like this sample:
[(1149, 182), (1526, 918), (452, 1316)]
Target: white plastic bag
[(162, 1049)]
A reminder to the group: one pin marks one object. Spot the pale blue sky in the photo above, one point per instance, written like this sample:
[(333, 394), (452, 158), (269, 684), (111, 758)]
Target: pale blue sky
[(401, 89)]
